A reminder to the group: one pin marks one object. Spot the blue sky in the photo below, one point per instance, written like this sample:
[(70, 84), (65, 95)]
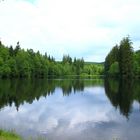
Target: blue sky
[(81, 28)]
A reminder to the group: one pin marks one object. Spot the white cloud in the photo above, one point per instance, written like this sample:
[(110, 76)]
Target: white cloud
[(70, 27), (69, 116), (58, 113)]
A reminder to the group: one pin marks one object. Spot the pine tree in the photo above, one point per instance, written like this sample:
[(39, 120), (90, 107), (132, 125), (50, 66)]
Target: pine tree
[(126, 58), (111, 58)]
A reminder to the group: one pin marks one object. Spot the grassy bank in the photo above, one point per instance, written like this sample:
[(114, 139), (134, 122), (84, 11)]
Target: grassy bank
[(11, 135), (5, 135)]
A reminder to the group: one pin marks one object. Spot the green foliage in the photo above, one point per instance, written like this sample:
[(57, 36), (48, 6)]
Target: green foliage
[(67, 59), (126, 58), (79, 65), (111, 58), (93, 69), (137, 63), (11, 135), (114, 68), (122, 61), (4, 135), (16, 62)]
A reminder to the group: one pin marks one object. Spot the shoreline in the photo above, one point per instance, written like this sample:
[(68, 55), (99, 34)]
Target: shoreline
[(9, 135)]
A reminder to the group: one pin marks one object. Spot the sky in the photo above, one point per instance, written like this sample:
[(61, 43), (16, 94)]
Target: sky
[(80, 28)]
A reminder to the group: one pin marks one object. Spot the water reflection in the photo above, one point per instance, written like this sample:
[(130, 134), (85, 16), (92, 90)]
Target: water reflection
[(21, 91), (71, 109), (122, 94)]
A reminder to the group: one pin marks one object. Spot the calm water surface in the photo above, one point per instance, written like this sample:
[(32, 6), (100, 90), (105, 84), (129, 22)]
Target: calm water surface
[(71, 109)]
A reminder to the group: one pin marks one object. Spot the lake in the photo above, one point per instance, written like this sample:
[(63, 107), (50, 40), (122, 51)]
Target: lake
[(71, 109)]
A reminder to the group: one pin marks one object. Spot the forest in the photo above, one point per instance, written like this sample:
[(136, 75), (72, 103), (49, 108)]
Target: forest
[(19, 63), (122, 61)]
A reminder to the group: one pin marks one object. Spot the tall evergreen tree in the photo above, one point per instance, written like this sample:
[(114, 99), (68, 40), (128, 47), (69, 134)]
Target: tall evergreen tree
[(126, 58), (17, 48), (111, 58), (120, 60)]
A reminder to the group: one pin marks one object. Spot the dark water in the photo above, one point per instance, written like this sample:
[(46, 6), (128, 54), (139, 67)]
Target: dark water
[(71, 109)]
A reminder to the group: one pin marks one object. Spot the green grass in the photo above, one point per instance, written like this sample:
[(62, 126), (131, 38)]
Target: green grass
[(9, 135)]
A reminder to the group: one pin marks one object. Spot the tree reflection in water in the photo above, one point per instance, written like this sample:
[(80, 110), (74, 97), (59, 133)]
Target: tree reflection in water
[(122, 93), (25, 90)]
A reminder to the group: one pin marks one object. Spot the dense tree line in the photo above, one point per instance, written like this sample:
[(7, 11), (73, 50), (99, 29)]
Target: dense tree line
[(122, 61), (16, 62)]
